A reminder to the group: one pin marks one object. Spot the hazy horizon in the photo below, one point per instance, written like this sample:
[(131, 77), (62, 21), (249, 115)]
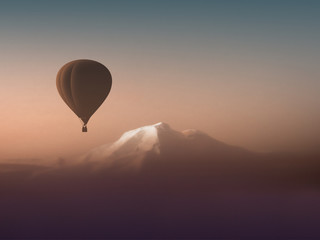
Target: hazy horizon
[(244, 72)]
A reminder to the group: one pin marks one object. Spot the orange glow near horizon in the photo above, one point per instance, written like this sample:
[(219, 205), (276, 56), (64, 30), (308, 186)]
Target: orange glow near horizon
[(35, 122)]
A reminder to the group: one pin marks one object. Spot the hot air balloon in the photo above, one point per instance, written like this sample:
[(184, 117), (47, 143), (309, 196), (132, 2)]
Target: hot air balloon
[(84, 85)]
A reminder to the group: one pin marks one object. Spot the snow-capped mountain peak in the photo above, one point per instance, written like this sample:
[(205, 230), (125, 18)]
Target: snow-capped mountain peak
[(141, 139)]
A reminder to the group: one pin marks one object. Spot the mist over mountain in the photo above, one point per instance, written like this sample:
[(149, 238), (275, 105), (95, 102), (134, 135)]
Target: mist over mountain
[(155, 182), (158, 151)]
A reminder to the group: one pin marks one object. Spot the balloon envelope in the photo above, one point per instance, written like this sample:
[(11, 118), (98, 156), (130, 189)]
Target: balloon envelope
[(84, 85)]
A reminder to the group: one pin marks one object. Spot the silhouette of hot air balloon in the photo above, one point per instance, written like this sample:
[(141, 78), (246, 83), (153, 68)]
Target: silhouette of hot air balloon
[(83, 86)]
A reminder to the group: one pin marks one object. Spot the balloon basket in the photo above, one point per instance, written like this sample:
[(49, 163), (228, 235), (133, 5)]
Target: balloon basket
[(84, 129)]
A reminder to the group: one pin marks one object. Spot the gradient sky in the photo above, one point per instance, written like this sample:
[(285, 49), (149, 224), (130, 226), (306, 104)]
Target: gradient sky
[(245, 72)]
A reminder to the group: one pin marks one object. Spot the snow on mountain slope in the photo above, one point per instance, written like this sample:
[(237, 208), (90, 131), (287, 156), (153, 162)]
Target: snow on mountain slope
[(130, 149), (141, 139)]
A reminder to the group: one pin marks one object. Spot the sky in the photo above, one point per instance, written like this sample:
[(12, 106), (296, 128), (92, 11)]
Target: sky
[(245, 72)]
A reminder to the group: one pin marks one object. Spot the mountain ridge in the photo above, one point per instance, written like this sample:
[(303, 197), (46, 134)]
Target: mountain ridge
[(134, 147)]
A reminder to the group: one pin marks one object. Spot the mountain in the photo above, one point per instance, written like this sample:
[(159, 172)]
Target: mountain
[(159, 144), (158, 153)]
